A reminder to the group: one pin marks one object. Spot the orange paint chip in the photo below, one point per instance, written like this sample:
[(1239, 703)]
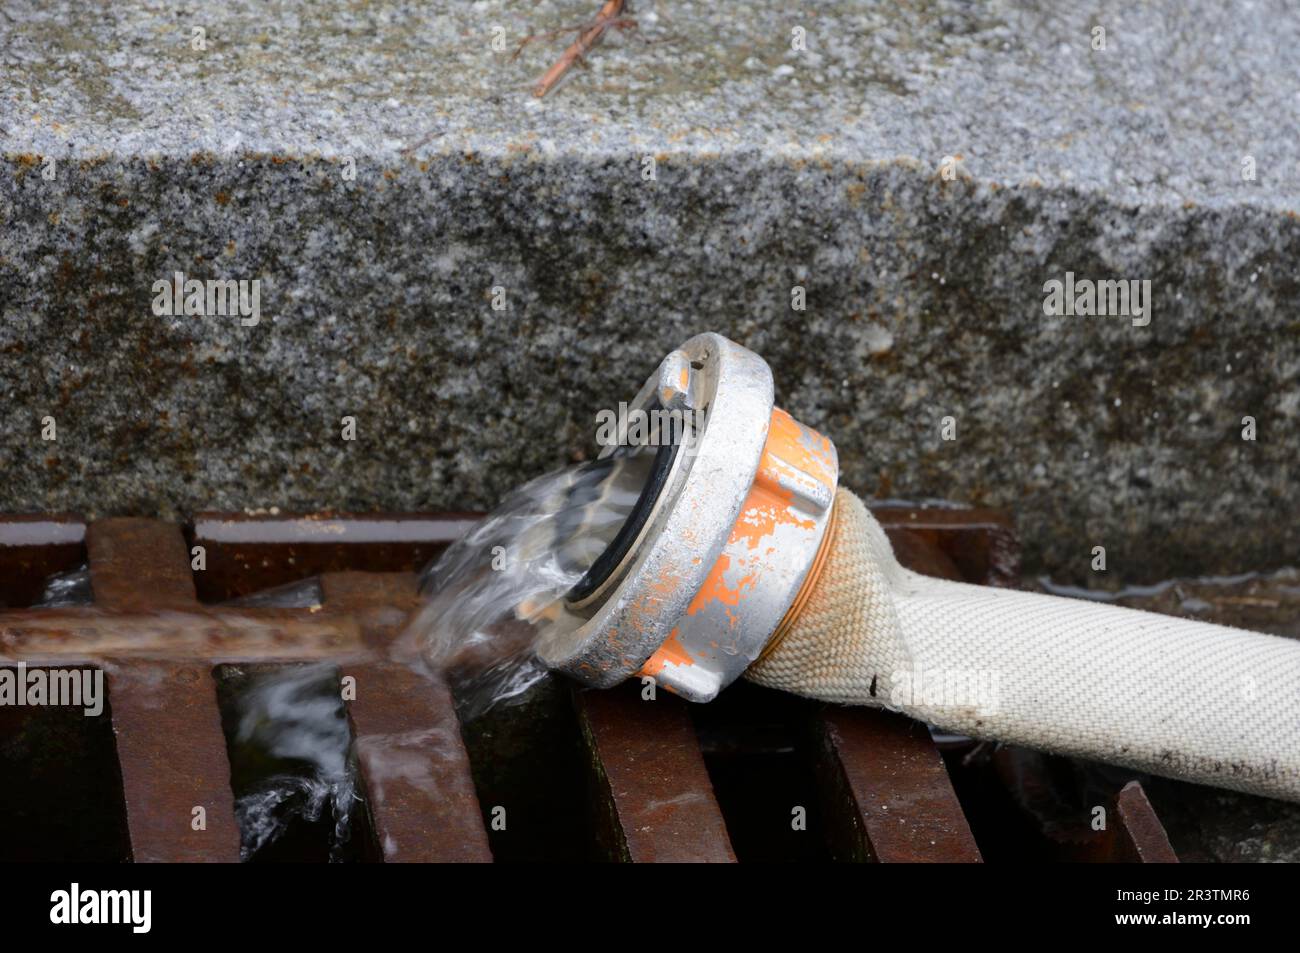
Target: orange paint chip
[(671, 651)]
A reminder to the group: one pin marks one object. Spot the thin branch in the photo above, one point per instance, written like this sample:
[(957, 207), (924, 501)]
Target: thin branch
[(589, 37), (548, 35)]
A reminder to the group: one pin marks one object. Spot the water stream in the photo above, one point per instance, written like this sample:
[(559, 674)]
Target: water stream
[(492, 593), (486, 599), (293, 768)]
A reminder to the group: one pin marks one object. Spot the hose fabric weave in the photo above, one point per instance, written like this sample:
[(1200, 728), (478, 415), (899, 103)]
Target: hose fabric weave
[(1185, 699)]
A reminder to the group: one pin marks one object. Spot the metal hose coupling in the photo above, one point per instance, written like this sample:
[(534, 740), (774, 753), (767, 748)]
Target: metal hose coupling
[(723, 543), (742, 556)]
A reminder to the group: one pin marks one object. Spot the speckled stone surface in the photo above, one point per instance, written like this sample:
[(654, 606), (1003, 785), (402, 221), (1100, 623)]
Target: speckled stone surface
[(774, 168)]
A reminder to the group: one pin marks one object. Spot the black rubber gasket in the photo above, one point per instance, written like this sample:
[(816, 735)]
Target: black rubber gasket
[(608, 561)]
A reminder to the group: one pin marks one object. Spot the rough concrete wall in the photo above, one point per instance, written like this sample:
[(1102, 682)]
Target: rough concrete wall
[(924, 290)]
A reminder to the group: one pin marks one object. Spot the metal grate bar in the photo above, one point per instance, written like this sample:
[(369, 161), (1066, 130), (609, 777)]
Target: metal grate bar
[(139, 565), (652, 788), (170, 746), (172, 755), (886, 793), (881, 783), (1138, 835), (413, 762)]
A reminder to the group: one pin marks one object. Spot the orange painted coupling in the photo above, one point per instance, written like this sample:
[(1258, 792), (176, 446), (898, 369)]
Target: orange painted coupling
[(771, 550), (805, 588), (733, 543)]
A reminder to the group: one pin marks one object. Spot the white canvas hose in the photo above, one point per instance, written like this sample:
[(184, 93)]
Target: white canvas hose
[(741, 557), (1184, 699)]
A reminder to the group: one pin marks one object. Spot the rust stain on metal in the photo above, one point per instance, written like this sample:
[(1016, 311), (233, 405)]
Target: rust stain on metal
[(243, 635), (890, 797), (139, 565), (888, 794), (355, 591), (159, 646), (413, 762), (414, 766), (653, 789), (172, 754), (1141, 838)]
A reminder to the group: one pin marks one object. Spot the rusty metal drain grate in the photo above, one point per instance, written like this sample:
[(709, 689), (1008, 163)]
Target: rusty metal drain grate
[(566, 774)]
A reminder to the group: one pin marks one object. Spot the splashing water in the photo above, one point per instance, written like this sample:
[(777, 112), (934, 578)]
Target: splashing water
[(66, 589), (291, 736), (494, 591), (487, 600)]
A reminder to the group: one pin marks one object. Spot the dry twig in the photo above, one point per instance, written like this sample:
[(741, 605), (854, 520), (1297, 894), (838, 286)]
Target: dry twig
[(609, 16)]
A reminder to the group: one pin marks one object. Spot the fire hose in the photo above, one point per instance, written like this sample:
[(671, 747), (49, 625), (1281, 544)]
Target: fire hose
[(743, 557)]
